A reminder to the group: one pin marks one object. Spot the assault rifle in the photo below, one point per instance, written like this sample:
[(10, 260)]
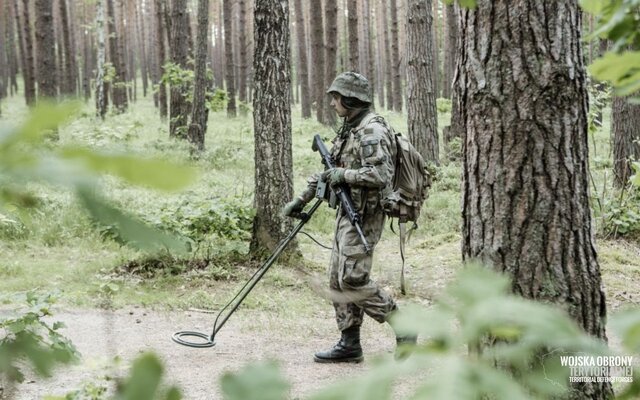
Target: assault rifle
[(341, 192)]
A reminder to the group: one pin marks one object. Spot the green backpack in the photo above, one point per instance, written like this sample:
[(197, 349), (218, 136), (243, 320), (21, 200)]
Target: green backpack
[(410, 189)]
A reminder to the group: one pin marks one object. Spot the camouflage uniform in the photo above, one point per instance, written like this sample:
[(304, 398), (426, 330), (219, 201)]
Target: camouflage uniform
[(365, 151)]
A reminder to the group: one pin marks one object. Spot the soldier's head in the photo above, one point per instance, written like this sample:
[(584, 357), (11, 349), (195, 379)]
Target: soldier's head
[(350, 93)]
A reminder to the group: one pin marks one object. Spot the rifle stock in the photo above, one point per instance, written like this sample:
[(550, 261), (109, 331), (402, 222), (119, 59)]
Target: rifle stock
[(339, 191)]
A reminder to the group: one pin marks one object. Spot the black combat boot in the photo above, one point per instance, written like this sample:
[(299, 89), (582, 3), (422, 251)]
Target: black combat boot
[(346, 350)]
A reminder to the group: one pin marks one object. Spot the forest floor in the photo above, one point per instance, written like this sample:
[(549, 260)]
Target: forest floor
[(285, 320)]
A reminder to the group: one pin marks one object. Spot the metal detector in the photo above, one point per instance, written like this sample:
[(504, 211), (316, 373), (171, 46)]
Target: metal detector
[(208, 340)]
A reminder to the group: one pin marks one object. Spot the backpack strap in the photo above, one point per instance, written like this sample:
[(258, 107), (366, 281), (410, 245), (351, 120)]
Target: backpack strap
[(404, 238)]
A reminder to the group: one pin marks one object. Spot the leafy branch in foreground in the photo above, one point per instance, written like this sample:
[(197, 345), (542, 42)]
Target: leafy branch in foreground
[(26, 337), (528, 338), (26, 157)]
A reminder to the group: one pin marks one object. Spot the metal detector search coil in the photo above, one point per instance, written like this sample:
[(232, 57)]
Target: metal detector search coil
[(208, 340)]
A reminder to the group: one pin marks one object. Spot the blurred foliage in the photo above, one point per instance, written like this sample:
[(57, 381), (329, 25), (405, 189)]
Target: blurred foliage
[(528, 339), (26, 156), (619, 22), (28, 340)]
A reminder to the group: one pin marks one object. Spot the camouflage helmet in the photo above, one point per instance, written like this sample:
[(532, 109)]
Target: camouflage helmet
[(352, 84)]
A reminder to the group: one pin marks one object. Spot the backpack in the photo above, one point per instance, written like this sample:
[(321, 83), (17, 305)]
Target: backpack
[(410, 189)]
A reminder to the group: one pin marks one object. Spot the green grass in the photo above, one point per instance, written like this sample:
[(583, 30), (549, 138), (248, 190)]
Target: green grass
[(56, 247)]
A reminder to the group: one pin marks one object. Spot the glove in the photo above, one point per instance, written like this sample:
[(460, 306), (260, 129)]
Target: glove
[(333, 176), (293, 208)]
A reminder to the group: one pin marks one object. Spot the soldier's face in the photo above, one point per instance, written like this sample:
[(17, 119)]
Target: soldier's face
[(337, 105)]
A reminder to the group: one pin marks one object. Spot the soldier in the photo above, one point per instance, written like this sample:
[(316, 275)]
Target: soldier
[(364, 156)]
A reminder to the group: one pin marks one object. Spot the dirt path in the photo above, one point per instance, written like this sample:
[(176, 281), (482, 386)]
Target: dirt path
[(101, 335)]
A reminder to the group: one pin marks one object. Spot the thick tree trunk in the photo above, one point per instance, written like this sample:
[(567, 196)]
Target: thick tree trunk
[(119, 84), (330, 55), (272, 125), (179, 45), (354, 50), (45, 50), (303, 68), (101, 102), (625, 130), (525, 183), (228, 49), (450, 44), (396, 61), (369, 65), (162, 56), (422, 115), (199, 112), (317, 57)]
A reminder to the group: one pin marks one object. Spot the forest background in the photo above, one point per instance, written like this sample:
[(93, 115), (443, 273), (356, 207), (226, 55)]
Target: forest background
[(165, 99)]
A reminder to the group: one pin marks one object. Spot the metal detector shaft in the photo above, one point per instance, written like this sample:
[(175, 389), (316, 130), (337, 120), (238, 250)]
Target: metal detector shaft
[(244, 292)]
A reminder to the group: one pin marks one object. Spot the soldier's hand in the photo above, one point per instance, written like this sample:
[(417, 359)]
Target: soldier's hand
[(293, 208), (333, 176)]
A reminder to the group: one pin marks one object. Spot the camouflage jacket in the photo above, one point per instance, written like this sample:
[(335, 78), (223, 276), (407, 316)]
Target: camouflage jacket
[(367, 155)]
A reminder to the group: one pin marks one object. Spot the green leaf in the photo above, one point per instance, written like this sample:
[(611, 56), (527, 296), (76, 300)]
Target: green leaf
[(131, 230), (155, 173), (144, 379), (593, 7), (621, 69), (255, 382)]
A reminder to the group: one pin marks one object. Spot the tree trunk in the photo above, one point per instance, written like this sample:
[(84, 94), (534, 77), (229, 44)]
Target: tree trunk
[(68, 84), (45, 50), (303, 71), (179, 45), (396, 61), (525, 182), (12, 59), (242, 50), (625, 129), (228, 50), (26, 50), (162, 56), (199, 113), (101, 103), (380, 62), (142, 39), (272, 125), (119, 84), (331, 37), (387, 55), (422, 117), (450, 45), (354, 50), (369, 66), (87, 53), (317, 57)]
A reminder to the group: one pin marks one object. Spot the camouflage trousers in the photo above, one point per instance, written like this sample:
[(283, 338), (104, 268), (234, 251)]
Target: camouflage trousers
[(353, 291)]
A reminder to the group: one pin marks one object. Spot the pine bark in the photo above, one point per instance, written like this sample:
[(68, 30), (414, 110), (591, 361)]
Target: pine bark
[(45, 50), (118, 85), (142, 40), (354, 50), (179, 45), (272, 125), (422, 115), (625, 130), (12, 58), (317, 57), (380, 60), (87, 54), (331, 53), (525, 182), (228, 49), (396, 61), (303, 67), (367, 45), (199, 112), (450, 44)]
